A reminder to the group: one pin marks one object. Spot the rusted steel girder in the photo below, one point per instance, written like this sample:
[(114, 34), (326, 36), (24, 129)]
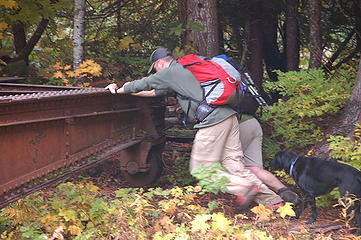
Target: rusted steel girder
[(55, 127)]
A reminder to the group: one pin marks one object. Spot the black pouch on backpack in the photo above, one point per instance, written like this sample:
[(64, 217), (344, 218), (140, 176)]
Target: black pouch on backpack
[(203, 110), (249, 104)]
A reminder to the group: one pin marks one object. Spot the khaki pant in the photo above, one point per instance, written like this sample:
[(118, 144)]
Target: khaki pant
[(220, 143), (251, 136)]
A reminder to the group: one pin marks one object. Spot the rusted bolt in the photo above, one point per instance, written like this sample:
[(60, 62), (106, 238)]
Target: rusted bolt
[(132, 167)]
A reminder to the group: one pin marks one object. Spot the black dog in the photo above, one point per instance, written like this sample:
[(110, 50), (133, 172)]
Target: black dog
[(317, 177)]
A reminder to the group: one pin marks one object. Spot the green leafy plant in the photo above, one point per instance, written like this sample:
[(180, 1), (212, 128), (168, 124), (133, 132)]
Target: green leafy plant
[(347, 149), (182, 173), (309, 99), (210, 178)]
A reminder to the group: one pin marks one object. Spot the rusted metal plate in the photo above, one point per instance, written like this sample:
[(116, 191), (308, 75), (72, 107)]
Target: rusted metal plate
[(55, 127)]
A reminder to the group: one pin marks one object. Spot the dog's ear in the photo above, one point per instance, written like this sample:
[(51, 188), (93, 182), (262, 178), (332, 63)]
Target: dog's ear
[(289, 154), (276, 164)]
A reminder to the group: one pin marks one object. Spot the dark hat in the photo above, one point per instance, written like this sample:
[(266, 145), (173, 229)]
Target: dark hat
[(156, 55)]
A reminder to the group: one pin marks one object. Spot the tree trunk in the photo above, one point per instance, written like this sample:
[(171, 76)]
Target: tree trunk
[(182, 11), (119, 23), (292, 43), (255, 44), (23, 48), (315, 33), (182, 16), (246, 43), (204, 12), (345, 124), (274, 59), (79, 27), (357, 7), (18, 30)]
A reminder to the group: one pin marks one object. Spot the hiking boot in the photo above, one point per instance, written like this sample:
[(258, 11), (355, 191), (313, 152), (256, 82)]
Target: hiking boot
[(289, 196), (243, 201), (274, 207)]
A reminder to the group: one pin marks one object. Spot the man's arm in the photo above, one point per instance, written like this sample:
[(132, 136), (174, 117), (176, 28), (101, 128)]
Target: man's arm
[(150, 93), (113, 88)]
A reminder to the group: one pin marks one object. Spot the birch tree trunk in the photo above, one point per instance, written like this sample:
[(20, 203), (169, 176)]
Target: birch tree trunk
[(79, 27), (204, 12)]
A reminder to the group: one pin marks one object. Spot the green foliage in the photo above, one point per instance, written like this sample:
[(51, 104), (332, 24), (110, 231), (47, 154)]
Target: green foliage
[(73, 210), (182, 173), (329, 199), (210, 178), (347, 149), (76, 211), (310, 98), (181, 28), (31, 12)]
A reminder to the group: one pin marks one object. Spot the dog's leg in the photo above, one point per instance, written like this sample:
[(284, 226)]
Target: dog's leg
[(312, 203), (299, 207), (358, 215)]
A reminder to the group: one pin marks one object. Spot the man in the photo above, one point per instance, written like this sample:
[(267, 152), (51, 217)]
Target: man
[(217, 138), (251, 135)]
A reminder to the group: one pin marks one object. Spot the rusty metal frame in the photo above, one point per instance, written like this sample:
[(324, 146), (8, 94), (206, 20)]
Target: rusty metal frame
[(57, 127)]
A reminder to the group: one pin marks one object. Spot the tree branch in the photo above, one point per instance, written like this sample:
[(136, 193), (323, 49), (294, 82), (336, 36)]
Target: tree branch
[(25, 52), (328, 65)]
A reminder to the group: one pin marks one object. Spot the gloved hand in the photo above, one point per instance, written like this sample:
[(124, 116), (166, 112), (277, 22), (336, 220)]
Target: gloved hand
[(289, 196), (112, 87)]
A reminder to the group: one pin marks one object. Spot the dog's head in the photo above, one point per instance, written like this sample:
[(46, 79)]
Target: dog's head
[(282, 160)]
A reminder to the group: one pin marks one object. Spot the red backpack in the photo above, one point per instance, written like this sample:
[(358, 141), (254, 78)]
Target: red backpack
[(220, 81)]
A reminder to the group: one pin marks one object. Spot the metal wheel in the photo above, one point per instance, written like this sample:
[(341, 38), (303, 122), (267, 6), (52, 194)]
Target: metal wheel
[(141, 179)]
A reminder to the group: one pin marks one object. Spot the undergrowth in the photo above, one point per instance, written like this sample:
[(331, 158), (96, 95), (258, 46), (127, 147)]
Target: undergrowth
[(310, 100), (79, 211)]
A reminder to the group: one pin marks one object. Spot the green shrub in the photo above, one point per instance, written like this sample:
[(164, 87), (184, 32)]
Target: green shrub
[(346, 149), (309, 100)]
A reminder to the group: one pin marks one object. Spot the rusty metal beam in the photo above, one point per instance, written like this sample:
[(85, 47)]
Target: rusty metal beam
[(57, 127)]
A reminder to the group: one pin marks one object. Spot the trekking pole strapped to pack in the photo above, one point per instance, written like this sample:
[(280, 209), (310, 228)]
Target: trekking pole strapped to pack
[(247, 80)]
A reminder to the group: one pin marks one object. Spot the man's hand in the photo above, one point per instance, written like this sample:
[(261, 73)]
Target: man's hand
[(112, 87)]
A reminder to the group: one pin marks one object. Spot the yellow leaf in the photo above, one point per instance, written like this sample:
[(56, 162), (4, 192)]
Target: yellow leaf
[(137, 46), (11, 4), (286, 210), (57, 66), (75, 230), (200, 223), (48, 218), (165, 221), (301, 114), (71, 74), (220, 222), (58, 74), (91, 187), (125, 42), (67, 67), (3, 26), (262, 213), (252, 234)]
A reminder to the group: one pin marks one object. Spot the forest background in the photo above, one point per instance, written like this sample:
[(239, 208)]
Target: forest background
[(304, 56)]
